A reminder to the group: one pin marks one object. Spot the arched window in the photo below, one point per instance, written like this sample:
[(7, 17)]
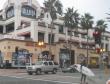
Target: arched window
[(10, 12), (28, 11)]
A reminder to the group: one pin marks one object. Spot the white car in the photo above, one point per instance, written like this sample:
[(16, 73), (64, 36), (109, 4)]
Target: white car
[(42, 66)]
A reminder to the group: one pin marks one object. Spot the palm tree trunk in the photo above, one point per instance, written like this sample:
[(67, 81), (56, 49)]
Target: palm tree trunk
[(50, 41), (70, 46), (87, 48)]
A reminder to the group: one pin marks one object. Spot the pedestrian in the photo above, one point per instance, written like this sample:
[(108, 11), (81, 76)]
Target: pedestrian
[(83, 76)]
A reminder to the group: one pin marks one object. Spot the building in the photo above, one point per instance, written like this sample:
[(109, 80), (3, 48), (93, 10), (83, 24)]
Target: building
[(21, 30)]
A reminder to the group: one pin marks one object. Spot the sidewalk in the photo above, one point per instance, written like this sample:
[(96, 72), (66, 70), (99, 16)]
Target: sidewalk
[(12, 70)]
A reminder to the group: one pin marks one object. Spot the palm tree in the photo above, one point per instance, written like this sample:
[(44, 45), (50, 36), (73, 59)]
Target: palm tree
[(101, 26), (87, 23), (71, 20), (53, 7)]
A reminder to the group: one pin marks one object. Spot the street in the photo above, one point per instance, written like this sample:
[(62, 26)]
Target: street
[(16, 76)]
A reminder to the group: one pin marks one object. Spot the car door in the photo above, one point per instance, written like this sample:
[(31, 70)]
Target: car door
[(45, 66), (50, 65)]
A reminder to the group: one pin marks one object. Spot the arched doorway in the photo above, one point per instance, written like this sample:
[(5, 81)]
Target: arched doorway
[(45, 56)]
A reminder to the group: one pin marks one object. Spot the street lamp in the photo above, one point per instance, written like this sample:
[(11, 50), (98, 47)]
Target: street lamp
[(40, 44)]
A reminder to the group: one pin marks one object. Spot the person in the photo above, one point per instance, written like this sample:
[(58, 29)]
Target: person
[(83, 76)]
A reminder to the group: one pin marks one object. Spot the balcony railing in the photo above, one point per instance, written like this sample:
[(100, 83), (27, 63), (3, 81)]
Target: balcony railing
[(42, 24)]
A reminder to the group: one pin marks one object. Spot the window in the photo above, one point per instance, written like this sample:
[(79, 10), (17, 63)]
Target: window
[(1, 17), (40, 36), (55, 63), (1, 29), (10, 28), (106, 47), (8, 47), (83, 46), (83, 35), (28, 11), (51, 38), (10, 12), (106, 38), (50, 63), (61, 29), (102, 45), (47, 15), (76, 34), (45, 63), (69, 33)]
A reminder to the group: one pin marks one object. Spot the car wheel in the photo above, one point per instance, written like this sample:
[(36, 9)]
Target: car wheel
[(30, 73), (54, 71), (38, 71)]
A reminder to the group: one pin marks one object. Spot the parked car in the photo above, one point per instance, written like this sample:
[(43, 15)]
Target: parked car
[(69, 69), (42, 66)]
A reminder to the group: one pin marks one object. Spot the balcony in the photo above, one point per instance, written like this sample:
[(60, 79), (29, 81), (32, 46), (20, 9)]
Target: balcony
[(42, 24), (11, 37)]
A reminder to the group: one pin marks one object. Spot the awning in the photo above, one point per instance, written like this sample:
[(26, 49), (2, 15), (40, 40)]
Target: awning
[(23, 33)]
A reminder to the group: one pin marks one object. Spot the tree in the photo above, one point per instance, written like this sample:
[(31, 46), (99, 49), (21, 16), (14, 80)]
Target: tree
[(101, 25), (53, 7), (71, 20), (87, 23), (101, 28)]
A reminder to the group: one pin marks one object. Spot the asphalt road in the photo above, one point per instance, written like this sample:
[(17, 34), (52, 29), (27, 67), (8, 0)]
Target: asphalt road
[(12, 80), (21, 77)]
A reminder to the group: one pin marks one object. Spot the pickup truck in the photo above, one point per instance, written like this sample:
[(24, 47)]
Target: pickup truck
[(42, 66)]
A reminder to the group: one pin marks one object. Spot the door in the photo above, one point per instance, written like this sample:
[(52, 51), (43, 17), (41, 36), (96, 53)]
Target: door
[(45, 66)]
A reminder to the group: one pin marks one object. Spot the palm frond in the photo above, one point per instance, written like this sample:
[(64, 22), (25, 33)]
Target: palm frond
[(54, 7), (71, 18)]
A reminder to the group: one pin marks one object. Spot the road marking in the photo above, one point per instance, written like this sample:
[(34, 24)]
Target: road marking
[(41, 79)]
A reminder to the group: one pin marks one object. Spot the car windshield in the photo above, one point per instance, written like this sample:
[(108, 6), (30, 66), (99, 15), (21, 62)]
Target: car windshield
[(39, 63)]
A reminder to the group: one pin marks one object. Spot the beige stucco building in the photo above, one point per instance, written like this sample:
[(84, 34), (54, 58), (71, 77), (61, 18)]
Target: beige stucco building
[(21, 28)]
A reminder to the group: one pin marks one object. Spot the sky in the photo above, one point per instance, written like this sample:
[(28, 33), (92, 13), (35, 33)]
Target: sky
[(97, 8)]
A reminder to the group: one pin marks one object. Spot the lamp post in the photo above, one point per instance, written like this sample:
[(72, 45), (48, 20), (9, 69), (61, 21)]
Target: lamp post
[(40, 44)]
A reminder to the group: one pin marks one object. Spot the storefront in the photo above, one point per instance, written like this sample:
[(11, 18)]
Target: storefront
[(21, 58), (65, 59)]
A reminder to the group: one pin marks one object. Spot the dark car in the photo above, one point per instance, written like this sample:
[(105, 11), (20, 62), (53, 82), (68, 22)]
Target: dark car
[(70, 69)]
